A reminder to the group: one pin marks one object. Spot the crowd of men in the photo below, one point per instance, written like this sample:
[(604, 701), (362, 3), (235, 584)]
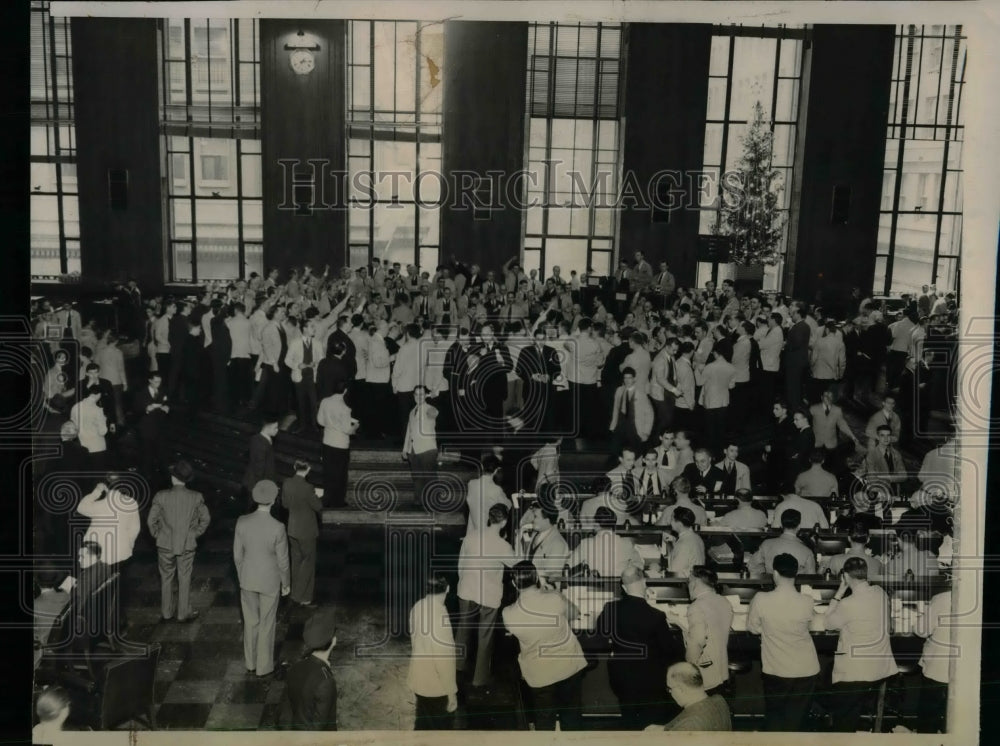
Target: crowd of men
[(508, 363)]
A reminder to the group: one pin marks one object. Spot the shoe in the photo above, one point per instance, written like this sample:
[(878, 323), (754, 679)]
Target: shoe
[(265, 675), (165, 619), (251, 672), (190, 617)]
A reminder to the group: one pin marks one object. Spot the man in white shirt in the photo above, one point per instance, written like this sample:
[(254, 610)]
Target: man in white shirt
[(406, 372), (543, 545), (789, 663), (681, 488), (935, 626), (240, 366), (816, 481), (431, 675), (688, 549), (92, 426), (706, 634), (161, 337), (745, 516), (420, 444), (583, 360), (605, 553), (485, 492), (761, 562), (481, 560), (864, 655), (771, 342), (810, 513)]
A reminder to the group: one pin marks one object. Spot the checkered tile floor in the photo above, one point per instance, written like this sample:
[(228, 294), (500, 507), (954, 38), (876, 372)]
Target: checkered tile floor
[(201, 681)]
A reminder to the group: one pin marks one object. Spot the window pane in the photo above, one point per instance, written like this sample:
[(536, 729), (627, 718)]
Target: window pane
[(254, 253), (252, 186), (394, 237), (914, 252), (71, 215), (358, 222), (713, 144), (706, 222), (181, 266), (788, 101), (428, 258), (947, 276), (791, 58), (253, 220), (878, 286), (73, 261), (398, 158), (753, 76), (716, 98), (43, 177), (719, 61), (218, 258), (783, 151), (532, 259), (600, 261), (430, 226), (567, 254), (180, 218), (951, 235)]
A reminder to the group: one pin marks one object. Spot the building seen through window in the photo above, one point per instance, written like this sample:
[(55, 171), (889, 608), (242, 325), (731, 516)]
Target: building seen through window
[(920, 224)]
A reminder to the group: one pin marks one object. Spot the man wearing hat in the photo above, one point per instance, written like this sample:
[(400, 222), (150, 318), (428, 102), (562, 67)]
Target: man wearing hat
[(260, 549), (176, 519), (310, 701)]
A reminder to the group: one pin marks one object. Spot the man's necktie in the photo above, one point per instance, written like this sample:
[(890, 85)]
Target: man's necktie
[(827, 410), (665, 461), (889, 460)]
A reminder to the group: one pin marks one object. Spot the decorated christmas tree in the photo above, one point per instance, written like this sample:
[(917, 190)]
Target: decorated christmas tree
[(750, 213)]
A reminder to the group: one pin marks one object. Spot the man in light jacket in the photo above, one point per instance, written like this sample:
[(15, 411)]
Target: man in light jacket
[(431, 675), (260, 550), (176, 519)]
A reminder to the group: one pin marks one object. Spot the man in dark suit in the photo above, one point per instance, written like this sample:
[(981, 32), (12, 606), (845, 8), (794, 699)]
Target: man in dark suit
[(489, 364), (778, 449), (641, 646), (177, 333), (151, 408), (87, 614), (299, 498), (342, 334), (220, 351), (261, 464), (538, 367), (260, 550), (705, 478), (176, 520), (333, 372), (310, 701), (796, 356)]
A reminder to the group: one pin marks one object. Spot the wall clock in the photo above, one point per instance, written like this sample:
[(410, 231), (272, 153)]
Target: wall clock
[(302, 61)]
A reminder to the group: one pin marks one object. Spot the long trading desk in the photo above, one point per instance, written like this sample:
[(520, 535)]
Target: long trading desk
[(908, 600)]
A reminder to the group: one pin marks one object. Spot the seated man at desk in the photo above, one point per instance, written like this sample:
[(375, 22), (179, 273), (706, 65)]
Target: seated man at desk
[(745, 517), (761, 562), (816, 481), (736, 474), (883, 460), (704, 478), (606, 553), (543, 545), (810, 513), (647, 476), (641, 647), (681, 488), (688, 549), (859, 548), (609, 497), (911, 558), (701, 711)]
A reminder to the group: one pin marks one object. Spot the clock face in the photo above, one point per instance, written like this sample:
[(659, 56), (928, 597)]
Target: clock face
[(302, 61)]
